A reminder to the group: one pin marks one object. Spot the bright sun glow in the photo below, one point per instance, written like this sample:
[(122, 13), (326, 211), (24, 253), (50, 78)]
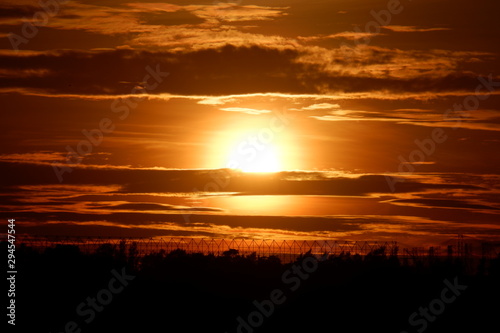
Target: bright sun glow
[(253, 151), (257, 145), (254, 156)]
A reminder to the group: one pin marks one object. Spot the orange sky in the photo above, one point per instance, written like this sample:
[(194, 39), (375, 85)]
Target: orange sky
[(383, 117)]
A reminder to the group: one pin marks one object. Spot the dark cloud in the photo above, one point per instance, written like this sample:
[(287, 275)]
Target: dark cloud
[(151, 206), (132, 203), (17, 11), (224, 180), (175, 18), (144, 224), (445, 203), (222, 71)]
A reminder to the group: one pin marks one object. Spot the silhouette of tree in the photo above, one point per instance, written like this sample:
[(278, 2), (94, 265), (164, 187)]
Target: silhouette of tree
[(219, 289), (231, 253)]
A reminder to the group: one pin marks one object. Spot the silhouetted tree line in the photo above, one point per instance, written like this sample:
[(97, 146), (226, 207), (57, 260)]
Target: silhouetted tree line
[(194, 292)]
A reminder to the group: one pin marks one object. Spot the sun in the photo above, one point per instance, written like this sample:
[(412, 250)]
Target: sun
[(254, 146), (254, 156), (265, 160)]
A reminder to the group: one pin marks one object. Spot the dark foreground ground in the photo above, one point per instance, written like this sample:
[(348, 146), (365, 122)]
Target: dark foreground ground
[(63, 290)]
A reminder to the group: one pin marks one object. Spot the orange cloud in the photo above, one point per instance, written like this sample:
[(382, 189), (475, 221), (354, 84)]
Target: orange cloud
[(246, 110), (351, 35), (411, 28)]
